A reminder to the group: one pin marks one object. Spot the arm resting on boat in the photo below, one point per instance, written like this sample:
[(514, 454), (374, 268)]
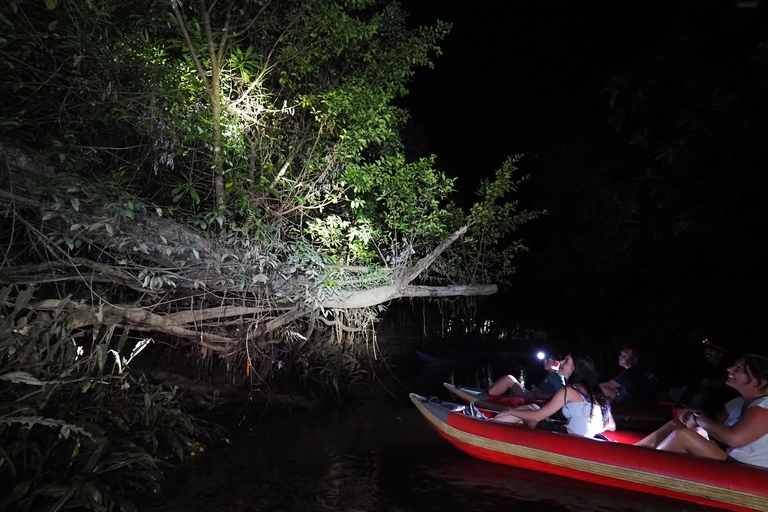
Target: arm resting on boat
[(752, 426), (530, 416)]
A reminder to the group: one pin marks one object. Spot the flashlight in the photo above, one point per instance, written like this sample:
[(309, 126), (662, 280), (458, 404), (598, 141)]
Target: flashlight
[(541, 356)]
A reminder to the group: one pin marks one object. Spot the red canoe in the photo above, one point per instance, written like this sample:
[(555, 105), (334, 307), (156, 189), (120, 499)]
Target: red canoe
[(709, 482)]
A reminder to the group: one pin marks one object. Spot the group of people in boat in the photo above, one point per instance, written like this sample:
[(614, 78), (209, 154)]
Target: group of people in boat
[(572, 387)]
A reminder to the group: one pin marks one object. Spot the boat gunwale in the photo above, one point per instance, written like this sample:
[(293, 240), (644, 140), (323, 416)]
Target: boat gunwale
[(618, 475)]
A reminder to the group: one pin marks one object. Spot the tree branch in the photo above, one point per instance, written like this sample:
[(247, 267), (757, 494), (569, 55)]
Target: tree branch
[(191, 47), (382, 294), (424, 263)]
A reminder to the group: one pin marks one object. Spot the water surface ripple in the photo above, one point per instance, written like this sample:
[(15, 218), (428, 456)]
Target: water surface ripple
[(382, 456)]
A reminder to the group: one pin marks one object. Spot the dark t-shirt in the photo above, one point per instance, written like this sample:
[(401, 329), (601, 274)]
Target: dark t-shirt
[(552, 383), (638, 385)]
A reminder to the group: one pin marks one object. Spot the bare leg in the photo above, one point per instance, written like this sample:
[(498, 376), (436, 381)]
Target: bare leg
[(506, 384), (655, 438), (507, 417), (685, 440)]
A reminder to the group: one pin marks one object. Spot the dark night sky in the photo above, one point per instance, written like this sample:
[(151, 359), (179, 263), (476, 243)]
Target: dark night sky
[(524, 76), (517, 75)]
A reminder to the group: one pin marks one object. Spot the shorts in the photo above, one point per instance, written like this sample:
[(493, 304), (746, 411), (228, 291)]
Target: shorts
[(527, 393), (551, 426)]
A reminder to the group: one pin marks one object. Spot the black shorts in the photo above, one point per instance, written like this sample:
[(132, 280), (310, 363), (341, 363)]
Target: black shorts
[(551, 426)]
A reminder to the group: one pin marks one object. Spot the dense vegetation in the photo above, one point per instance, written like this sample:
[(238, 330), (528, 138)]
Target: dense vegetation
[(225, 178)]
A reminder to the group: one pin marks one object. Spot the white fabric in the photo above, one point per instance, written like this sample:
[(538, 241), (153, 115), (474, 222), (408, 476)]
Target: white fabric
[(756, 452), (579, 420)]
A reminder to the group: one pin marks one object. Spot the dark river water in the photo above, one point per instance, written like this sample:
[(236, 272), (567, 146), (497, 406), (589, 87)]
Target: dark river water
[(380, 456)]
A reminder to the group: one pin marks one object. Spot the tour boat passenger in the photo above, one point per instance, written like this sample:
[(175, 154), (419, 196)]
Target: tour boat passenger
[(552, 383), (742, 432), (582, 402), (636, 384)]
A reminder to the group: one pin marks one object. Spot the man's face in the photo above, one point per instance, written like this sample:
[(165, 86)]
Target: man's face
[(550, 364), (712, 355), (624, 357)]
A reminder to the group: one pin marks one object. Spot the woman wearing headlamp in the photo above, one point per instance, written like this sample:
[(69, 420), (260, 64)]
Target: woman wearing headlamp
[(582, 402)]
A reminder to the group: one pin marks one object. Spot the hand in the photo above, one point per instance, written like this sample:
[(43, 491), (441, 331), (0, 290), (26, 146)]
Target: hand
[(688, 418)]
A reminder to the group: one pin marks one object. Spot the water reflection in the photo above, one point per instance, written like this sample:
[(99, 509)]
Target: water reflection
[(380, 457)]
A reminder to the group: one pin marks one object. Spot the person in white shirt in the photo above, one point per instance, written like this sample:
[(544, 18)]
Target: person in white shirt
[(743, 431), (583, 403)]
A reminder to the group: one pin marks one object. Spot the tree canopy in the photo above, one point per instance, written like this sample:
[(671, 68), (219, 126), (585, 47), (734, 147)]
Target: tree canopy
[(231, 173)]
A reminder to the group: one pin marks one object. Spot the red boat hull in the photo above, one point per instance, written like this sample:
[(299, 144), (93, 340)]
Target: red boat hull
[(708, 482)]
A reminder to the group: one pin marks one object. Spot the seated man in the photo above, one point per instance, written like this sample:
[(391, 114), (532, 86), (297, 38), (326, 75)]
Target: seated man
[(551, 384), (710, 394), (636, 384)]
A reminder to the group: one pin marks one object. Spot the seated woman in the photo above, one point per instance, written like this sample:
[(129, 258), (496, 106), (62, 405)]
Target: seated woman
[(554, 381), (582, 401), (744, 431)]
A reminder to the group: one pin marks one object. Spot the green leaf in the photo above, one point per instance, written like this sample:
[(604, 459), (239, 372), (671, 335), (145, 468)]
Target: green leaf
[(95, 493), (18, 492), (20, 377)]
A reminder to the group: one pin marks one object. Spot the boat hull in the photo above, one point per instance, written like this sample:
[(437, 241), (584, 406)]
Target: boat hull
[(703, 481)]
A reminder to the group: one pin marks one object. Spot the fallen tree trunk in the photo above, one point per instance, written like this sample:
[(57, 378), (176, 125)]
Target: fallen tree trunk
[(142, 270), (187, 324)]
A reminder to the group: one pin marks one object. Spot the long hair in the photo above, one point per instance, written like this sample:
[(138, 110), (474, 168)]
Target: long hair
[(757, 368), (584, 373)]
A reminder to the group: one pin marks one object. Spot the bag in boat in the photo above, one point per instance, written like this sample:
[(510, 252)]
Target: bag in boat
[(472, 410)]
